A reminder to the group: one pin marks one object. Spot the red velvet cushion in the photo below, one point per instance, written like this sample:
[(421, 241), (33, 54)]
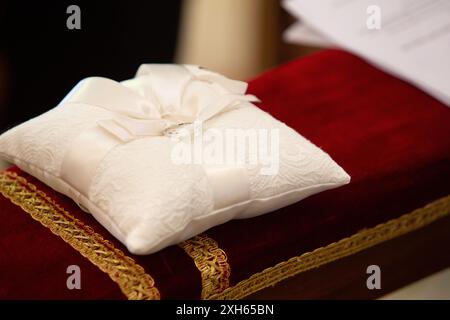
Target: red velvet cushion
[(393, 140)]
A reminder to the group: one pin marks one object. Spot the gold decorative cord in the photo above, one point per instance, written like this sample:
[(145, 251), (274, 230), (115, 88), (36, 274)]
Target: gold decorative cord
[(343, 248), (212, 263), (132, 279)]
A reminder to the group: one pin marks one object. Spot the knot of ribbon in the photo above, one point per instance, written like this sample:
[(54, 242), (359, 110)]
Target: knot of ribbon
[(160, 97)]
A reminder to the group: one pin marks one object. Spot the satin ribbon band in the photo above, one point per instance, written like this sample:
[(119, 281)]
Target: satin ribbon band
[(158, 99)]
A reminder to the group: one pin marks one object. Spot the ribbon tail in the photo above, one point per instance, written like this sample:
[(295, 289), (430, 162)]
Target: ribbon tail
[(224, 104)]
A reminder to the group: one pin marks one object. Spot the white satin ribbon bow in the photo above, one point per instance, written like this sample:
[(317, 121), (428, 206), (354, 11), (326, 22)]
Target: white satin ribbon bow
[(159, 98)]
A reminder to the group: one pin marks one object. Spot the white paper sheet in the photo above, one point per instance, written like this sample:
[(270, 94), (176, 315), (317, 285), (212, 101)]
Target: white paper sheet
[(413, 42)]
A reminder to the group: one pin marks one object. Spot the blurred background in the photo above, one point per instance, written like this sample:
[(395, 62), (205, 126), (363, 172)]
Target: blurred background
[(41, 59)]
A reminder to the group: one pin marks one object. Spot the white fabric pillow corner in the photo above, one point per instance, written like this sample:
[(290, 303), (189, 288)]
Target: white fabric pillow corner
[(110, 147)]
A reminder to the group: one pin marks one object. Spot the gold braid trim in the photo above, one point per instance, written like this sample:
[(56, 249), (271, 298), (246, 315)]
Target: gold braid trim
[(343, 248), (131, 277), (212, 263)]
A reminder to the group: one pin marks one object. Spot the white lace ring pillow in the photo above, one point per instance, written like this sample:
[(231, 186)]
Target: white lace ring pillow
[(168, 154)]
